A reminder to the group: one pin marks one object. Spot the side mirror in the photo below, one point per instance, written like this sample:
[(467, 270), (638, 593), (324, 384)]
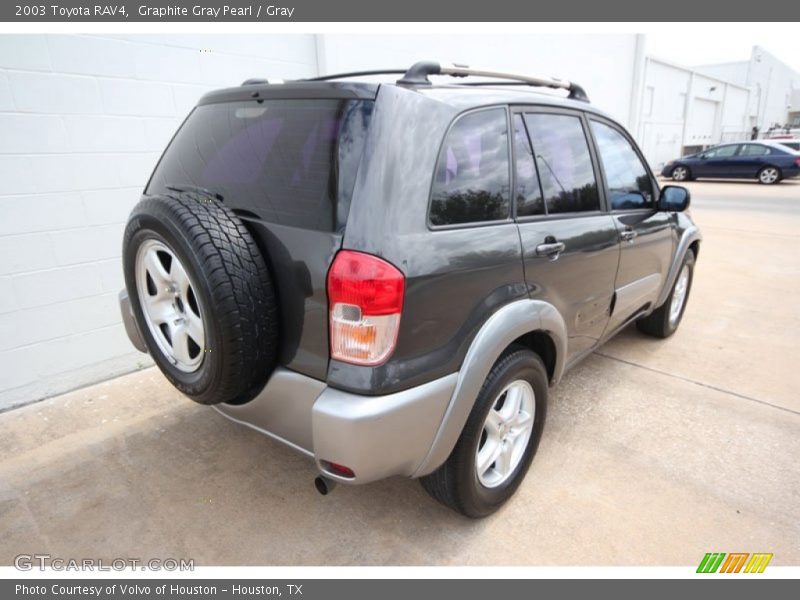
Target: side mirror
[(674, 198)]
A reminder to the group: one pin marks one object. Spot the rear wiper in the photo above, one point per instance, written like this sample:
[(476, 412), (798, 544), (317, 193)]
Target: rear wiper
[(195, 188)]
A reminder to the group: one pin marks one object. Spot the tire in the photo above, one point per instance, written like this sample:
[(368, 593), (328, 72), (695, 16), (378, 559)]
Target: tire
[(663, 321), (457, 483), (202, 296), (769, 175), (681, 173)]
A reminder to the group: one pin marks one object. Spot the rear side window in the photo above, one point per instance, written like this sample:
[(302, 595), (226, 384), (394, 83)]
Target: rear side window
[(564, 163), (753, 150), (291, 162), (471, 183), (628, 180)]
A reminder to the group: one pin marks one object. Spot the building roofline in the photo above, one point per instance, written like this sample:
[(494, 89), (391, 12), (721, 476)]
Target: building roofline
[(676, 65), (724, 63)]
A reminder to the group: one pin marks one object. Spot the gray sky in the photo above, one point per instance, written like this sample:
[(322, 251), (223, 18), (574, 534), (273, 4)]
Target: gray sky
[(721, 46)]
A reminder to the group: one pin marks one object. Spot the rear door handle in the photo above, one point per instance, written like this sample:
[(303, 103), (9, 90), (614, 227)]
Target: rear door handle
[(551, 249), (628, 235)]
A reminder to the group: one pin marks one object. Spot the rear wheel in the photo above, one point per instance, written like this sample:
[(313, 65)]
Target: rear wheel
[(202, 296), (769, 175), (663, 321), (499, 439)]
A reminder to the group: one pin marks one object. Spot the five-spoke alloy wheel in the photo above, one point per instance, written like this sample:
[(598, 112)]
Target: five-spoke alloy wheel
[(664, 320), (506, 433), (170, 305), (499, 439), (679, 296)]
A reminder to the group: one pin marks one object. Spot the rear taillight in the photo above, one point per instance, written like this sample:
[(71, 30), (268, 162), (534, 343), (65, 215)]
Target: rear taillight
[(365, 299), (797, 161)]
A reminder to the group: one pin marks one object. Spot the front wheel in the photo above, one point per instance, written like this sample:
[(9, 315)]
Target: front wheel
[(664, 320), (499, 439), (769, 175), (681, 173)]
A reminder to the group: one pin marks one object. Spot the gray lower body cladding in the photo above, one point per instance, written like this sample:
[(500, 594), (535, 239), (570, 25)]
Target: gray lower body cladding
[(374, 436)]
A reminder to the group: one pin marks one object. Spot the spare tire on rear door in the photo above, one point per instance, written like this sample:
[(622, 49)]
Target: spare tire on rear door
[(202, 296)]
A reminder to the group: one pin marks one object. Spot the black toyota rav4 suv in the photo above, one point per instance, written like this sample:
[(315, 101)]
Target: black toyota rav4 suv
[(389, 277)]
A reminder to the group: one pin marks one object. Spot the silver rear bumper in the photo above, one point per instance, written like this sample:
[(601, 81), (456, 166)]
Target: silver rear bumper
[(375, 436)]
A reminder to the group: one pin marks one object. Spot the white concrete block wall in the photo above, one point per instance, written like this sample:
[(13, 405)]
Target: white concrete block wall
[(83, 120)]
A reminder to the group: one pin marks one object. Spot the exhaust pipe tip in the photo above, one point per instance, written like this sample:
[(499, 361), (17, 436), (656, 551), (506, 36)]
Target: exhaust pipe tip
[(324, 485)]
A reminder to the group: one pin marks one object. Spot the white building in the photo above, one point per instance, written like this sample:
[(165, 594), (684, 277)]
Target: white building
[(683, 111), (794, 111), (772, 83), (84, 118)]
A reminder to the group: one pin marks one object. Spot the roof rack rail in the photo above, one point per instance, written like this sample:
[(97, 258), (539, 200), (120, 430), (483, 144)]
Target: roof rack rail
[(260, 80), (264, 80), (419, 72), (357, 74), (418, 75)]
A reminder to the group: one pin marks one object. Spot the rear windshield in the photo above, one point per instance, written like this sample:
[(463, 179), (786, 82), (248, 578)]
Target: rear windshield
[(291, 162)]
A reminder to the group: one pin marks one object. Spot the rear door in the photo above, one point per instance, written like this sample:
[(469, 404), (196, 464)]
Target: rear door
[(749, 160), (570, 244), (287, 167), (646, 234)]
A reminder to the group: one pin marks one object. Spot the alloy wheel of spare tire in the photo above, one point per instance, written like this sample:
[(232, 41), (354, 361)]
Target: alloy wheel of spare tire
[(202, 296), (170, 308)]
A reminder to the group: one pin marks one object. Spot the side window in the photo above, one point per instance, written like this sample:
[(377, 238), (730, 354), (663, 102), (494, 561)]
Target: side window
[(721, 152), (471, 183), (628, 180), (564, 163), (754, 150), (527, 193)]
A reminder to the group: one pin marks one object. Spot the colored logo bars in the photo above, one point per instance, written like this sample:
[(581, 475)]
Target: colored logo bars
[(714, 562)]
